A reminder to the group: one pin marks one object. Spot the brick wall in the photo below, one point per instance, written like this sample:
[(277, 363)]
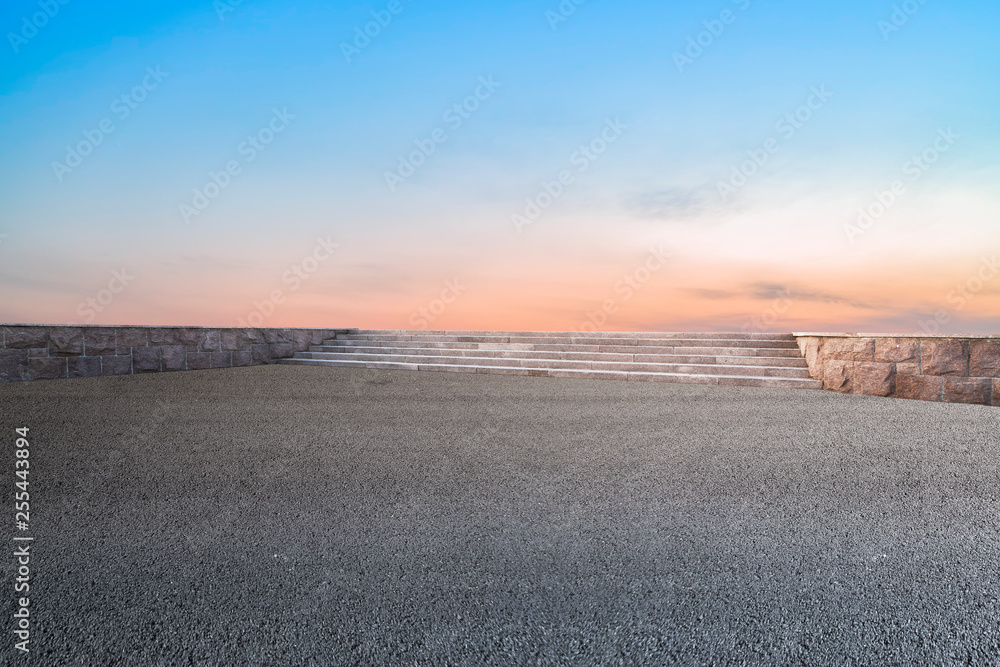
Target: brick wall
[(951, 369), (44, 352)]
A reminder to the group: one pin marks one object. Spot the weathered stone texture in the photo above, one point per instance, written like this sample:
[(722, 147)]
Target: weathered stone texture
[(197, 361), (849, 349), (13, 365), (99, 341), (242, 358), (47, 368), (116, 365), (919, 387), (129, 337), (230, 339), (874, 379), (967, 390), (260, 354), (222, 359), (282, 350), (809, 346), (210, 341), (897, 350), (944, 357), (173, 336), (984, 358), (65, 341), (84, 367), (19, 338), (908, 369), (996, 393), (838, 375), (174, 357), (146, 359)]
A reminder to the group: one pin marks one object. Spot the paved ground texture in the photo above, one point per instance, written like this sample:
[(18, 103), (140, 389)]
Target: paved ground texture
[(299, 515)]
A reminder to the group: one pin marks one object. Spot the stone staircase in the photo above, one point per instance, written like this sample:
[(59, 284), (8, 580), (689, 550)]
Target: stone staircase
[(748, 359)]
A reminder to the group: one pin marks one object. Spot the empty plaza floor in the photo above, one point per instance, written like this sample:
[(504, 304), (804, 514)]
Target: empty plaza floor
[(303, 515)]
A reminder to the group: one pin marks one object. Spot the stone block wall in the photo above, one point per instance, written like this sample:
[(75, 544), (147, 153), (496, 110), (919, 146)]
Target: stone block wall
[(950, 369), (46, 352)]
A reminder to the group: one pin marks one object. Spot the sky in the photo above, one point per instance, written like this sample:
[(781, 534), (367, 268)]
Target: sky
[(524, 165)]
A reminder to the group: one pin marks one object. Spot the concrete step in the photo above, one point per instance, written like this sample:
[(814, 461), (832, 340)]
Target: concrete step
[(744, 380), (579, 334), (694, 369), (577, 340), (540, 347), (789, 362)]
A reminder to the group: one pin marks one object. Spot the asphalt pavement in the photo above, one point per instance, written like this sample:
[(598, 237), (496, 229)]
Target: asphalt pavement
[(302, 515)]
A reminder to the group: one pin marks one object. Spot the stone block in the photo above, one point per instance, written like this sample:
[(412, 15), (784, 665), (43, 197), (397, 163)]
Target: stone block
[(301, 340), (38, 352), (173, 336), (129, 337), (919, 387), (281, 350), (84, 367), (897, 350), (838, 375), (197, 361), (230, 339), (242, 358), (98, 341), (984, 358), (13, 365), (117, 364), (944, 357), (874, 379), (209, 340), (248, 337), (65, 341), (968, 390), (222, 359), (809, 346), (908, 369), (22, 338), (146, 359), (277, 335), (260, 354), (46, 368), (174, 357), (848, 349), (996, 393)]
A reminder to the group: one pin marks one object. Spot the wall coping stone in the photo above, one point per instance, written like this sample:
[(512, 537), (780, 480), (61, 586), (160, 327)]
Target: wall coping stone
[(895, 335)]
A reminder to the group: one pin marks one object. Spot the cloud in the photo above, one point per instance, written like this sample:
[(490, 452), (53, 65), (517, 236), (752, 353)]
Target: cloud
[(769, 291)]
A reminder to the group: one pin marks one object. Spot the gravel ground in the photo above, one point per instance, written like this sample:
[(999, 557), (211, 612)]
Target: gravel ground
[(301, 515)]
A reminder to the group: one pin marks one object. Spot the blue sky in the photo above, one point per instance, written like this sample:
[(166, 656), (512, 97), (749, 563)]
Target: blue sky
[(558, 84)]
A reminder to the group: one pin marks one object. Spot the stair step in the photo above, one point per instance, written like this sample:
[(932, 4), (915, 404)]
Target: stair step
[(631, 366), (543, 347), (578, 334), (790, 362), (732, 380), (578, 340)]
